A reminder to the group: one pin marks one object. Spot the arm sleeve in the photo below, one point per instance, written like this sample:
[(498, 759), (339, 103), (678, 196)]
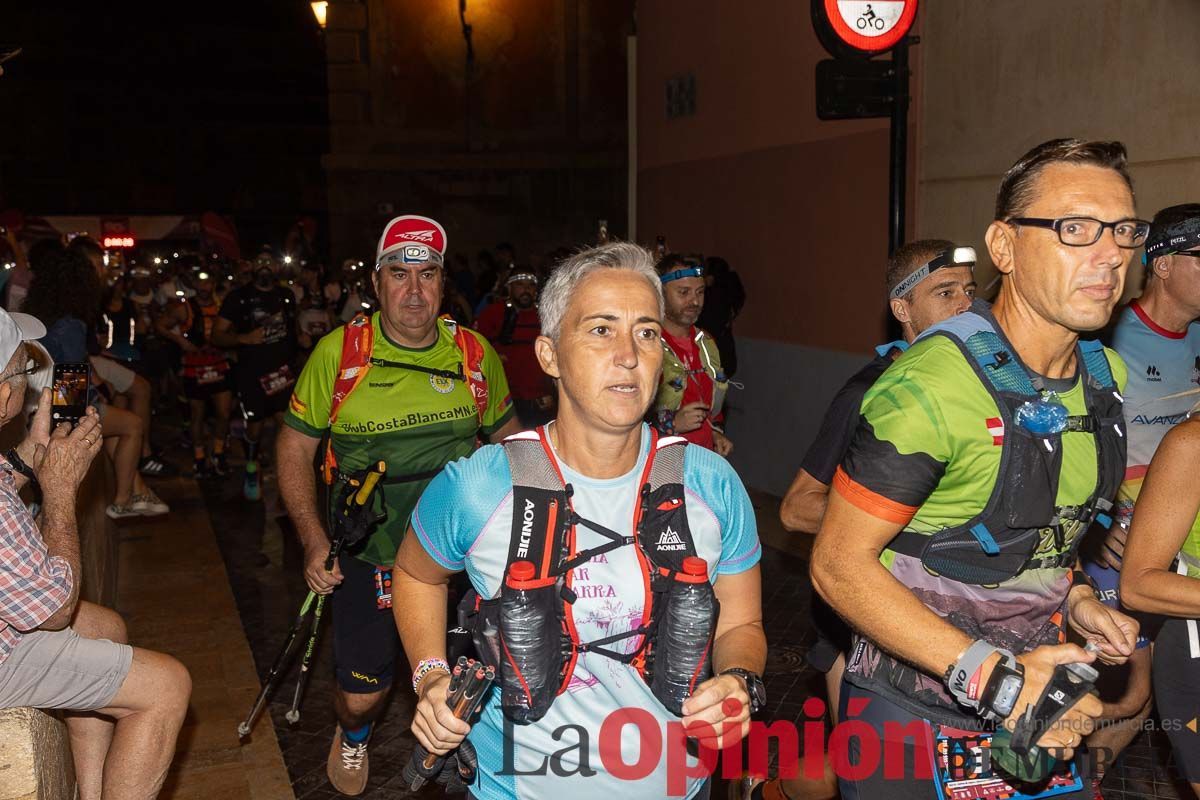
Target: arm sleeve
[(457, 505), (308, 411), (902, 444), (711, 480), (500, 405)]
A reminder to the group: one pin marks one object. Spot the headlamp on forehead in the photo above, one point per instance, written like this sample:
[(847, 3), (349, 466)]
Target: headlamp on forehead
[(411, 254), (950, 257), (1163, 241), (691, 271), (527, 277)]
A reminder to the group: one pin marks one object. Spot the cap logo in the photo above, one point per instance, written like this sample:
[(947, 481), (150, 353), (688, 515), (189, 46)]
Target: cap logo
[(419, 236)]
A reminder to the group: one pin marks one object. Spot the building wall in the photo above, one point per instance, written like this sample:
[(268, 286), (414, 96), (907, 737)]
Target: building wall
[(1115, 72), (796, 205), (530, 150)]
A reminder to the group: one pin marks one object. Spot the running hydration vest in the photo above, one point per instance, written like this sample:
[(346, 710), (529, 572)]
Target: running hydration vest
[(358, 343), (675, 377), (1012, 532), (543, 533)]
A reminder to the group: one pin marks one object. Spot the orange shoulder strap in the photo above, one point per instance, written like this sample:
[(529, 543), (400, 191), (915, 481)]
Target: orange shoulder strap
[(472, 353), (358, 339)]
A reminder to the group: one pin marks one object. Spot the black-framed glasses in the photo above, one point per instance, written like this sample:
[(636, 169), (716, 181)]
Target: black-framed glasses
[(1084, 231), (31, 366)]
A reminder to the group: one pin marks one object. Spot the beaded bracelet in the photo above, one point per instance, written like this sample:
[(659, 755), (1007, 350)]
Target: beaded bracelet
[(426, 666)]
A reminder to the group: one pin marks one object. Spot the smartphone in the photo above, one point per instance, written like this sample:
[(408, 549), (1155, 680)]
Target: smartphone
[(70, 391)]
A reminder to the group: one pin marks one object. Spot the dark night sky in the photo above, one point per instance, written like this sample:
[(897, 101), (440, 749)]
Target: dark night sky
[(171, 108)]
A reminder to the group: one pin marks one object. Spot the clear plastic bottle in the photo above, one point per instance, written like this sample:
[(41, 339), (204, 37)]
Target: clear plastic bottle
[(683, 650), (530, 633)]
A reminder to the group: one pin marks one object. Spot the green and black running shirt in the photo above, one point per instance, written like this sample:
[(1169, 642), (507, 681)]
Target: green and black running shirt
[(415, 421), (926, 455)]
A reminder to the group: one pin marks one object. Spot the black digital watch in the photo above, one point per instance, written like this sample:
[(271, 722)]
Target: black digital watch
[(754, 687)]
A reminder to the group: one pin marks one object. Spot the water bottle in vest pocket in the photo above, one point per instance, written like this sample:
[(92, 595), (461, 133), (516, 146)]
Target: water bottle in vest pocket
[(530, 643), (682, 657)]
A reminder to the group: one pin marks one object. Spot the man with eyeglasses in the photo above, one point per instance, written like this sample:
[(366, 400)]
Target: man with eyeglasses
[(403, 387), (1159, 340), (981, 457), (123, 706)]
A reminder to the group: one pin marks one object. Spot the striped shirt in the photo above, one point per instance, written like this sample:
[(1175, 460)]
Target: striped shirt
[(33, 584)]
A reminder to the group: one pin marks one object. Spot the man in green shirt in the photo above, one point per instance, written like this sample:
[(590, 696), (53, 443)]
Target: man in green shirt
[(418, 395), (957, 637)]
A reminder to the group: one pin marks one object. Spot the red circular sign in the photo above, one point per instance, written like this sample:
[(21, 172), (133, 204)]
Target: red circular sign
[(871, 25)]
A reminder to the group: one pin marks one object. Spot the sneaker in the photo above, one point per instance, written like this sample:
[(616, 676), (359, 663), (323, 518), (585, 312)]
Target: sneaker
[(148, 504), (117, 511), (201, 469), (153, 466), (347, 765), (251, 487), (220, 465)]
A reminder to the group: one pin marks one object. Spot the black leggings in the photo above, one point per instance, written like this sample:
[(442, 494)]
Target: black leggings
[(1176, 676)]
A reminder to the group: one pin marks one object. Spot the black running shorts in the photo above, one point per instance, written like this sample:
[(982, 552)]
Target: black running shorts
[(365, 641)]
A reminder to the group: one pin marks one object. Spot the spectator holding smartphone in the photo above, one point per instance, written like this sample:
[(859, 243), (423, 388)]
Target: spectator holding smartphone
[(124, 706)]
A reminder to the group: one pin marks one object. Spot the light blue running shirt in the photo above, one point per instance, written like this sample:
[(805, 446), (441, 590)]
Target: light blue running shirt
[(464, 520)]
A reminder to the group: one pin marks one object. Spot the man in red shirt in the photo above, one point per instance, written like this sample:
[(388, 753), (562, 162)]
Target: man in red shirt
[(512, 326), (693, 385)]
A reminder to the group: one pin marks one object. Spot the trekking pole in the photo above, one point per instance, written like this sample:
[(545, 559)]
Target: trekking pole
[(463, 696), (274, 674), (353, 526)]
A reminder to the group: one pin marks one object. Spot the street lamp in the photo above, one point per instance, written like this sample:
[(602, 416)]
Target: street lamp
[(320, 9)]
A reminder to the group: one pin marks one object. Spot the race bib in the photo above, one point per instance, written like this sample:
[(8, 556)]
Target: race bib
[(278, 381), (209, 375), (383, 588), (963, 767)]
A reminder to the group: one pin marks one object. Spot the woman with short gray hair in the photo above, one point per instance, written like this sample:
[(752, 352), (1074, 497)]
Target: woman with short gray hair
[(567, 275)]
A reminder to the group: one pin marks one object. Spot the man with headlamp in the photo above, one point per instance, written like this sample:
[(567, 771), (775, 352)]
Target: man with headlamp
[(927, 281), (981, 456), (403, 387), (512, 326), (691, 392), (259, 321)]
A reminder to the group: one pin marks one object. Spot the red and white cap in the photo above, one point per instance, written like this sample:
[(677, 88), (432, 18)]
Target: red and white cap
[(411, 239)]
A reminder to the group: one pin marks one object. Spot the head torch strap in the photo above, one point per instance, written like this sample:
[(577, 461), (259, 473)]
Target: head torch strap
[(528, 277), (685, 272), (1181, 236), (950, 257)]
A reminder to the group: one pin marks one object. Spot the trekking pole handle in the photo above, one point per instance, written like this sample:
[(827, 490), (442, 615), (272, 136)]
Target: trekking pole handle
[(368, 486)]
